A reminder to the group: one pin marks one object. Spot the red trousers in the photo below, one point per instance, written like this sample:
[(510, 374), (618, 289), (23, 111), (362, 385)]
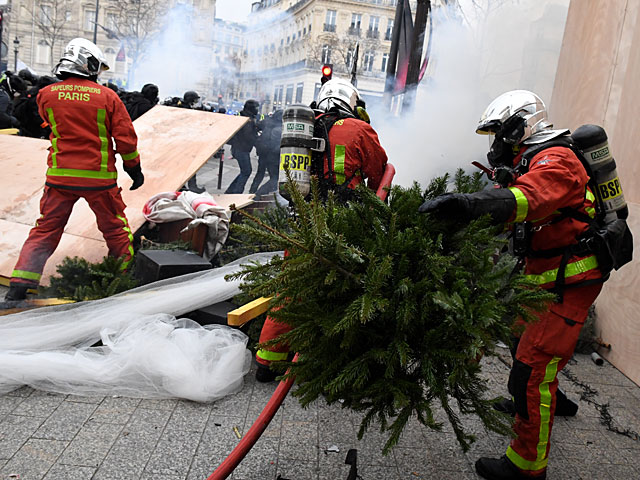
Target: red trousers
[(270, 330), (55, 208), (543, 350)]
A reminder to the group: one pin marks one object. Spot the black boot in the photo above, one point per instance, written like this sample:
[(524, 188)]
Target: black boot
[(505, 405), (264, 374), (502, 469), (16, 293), (564, 406)]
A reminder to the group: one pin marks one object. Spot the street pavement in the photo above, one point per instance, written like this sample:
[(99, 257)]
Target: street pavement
[(66, 437)]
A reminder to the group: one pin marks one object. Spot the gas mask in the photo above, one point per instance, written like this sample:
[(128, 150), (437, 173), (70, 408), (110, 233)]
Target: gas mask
[(505, 148)]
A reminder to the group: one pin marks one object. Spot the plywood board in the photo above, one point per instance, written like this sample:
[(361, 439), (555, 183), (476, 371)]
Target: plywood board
[(173, 144), (596, 82), (587, 62), (617, 308)]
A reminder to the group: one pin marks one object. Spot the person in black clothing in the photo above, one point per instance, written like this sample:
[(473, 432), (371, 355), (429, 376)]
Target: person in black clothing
[(141, 102), (10, 87), (189, 100), (26, 111), (241, 145), (268, 150)]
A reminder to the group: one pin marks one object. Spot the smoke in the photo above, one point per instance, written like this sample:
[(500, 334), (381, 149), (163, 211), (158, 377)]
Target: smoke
[(476, 54), (179, 58)]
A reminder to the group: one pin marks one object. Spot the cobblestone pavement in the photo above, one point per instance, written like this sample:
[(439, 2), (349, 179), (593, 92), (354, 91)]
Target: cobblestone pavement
[(65, 437)]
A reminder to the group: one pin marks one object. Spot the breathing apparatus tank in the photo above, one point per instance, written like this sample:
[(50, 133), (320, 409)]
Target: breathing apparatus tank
[(592, 141), (296, 148)]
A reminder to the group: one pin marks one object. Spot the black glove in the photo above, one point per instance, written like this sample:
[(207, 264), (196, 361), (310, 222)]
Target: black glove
[(464, 207), (454, 206), (136, 175)]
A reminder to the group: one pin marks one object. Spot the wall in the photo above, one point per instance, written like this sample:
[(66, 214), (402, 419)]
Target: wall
[(596, 82)]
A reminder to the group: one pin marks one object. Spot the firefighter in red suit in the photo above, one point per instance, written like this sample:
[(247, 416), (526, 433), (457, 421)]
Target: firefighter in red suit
[(85, 119), (539, 191), (354, 155)]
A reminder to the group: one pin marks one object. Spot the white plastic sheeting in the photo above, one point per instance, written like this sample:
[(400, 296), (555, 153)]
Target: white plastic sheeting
[(147, 352)]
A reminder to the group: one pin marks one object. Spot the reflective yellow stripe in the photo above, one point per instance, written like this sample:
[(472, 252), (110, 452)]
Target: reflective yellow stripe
[(54, 140), (271, 356), (545, 408), (338, 164), (104, 144), (591, 211), (573, 268), (127, 229), (522, 204), (590, 196), (72, 172), (26, 275), (129, 156), (523, 464)]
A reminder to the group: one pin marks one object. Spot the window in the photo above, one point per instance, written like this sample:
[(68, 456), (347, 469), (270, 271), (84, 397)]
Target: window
[(299, 89), (374, 22), (389, 32), (368, 61), (67, 15), (385, 59), (356, 20), (46, 15), (89, 20), (326, 54), (289, 98), (329, 22), (110, 53), (43, 52), (112, 21)]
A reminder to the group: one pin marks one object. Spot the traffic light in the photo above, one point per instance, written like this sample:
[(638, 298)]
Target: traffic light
[(327, 71)]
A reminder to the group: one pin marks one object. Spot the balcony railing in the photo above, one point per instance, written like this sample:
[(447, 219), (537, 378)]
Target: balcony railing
[(355, 31), (373, 33), (329, 27)]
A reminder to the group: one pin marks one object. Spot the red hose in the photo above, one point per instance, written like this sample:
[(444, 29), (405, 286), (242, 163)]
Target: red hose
[(385, 183), (251, 437)]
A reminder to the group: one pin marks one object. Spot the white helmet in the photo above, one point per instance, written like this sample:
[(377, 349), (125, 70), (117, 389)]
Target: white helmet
[(526, 105), (338, 93), (81, 57)]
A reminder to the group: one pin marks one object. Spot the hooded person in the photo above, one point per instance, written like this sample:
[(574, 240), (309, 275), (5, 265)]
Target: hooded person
[(11, 88), (89, 126), (141, 102), (241, 145)]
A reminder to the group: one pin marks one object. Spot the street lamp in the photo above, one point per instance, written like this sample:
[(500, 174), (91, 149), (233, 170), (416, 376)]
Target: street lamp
[(16, 44)]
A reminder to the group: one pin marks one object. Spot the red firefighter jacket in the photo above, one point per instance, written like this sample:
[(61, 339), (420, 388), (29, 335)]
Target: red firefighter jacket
[(556, 179), (85, 119), (356, 154)]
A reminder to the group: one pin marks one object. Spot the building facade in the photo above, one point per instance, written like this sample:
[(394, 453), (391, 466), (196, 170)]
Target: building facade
[(288, 42), (121, 28)]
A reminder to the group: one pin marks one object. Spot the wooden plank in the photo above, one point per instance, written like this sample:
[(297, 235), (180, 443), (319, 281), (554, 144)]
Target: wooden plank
[(248, 311), (596, 82), (617, 310), (13, 235), (173, 144), (7, 308)]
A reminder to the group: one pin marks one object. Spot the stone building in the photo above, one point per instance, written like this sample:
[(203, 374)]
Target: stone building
[(288, 42), (122, 29)]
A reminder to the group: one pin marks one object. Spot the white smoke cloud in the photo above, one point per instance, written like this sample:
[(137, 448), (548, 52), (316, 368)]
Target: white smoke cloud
[(474, 58), (174, 60)]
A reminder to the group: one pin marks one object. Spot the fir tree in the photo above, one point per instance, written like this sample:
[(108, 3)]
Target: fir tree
[(391, 310)]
